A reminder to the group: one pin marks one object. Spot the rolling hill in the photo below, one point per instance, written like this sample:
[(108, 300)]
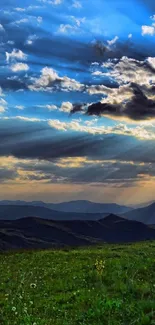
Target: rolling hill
[(32, 232)]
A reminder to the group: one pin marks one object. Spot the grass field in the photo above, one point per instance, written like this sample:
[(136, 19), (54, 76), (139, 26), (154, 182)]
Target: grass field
[(109, 285)]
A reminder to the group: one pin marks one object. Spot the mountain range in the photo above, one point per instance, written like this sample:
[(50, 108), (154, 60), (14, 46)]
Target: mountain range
[(79, 206), (145, 215), (77, 223), (32, 232)]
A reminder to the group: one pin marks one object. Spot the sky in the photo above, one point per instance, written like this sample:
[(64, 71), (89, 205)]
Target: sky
[(77, 100)]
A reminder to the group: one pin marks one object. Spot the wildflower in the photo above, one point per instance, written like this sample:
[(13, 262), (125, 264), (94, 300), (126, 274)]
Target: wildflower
[(13, 308), (99, 265), (33, 285)]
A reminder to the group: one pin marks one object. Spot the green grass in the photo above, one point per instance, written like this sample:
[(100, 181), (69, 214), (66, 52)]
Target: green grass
[(69, 287)]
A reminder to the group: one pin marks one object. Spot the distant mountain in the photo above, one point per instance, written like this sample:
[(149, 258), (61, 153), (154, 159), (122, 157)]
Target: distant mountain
[(80, 206), (145, 215), (13, 212), (142, 205), (30, 233)]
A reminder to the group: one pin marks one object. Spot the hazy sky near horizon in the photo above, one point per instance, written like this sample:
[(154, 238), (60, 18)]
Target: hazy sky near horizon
[(77, 100)]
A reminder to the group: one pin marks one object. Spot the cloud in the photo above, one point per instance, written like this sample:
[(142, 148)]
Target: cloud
[(65, 28), (15, 55), (30, 19), (17, 67), (20, 107), (49, 107), (113, 41), (148, 30), (135, 107), (77, 108), (39, 19), (2, 28), (75, 170), (138, 132), (68, 28), (3, 105), (66, 107), (25, 138), (20, 9), (52, 2), (128, 70), (1, 92), (77, 4), (56, 2), (31, 39), (49, 80), (130, 36), (21, 21)]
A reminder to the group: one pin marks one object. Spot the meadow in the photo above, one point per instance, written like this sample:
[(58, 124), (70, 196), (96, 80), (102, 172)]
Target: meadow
[(108, 285)]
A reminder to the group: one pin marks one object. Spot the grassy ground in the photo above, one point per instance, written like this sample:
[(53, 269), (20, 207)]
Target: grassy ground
[(107, 285)]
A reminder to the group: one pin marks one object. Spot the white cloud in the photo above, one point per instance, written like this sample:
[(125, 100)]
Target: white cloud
[(3, 105), (139, 132), (39, 19), (15, 54), (66, 107), (17, 67), (148, 30), (77, 4), (97, 73), (48, 75), (21, 21), (78, 21), (130, 36), (130, 70), (52, 2), (27, 8), (2, 28), (58, 125), (151, 61), (20, 107), (31, 39), (1, 92), (49, 79), (11, 42), (20, 9), (94, 63), (67, 28), (113, 41), (56, 2), (49, 107)]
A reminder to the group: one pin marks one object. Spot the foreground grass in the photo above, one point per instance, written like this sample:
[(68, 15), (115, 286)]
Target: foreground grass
[(109, 285)]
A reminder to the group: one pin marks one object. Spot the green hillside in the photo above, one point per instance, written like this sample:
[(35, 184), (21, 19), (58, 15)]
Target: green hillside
[(109, 285)]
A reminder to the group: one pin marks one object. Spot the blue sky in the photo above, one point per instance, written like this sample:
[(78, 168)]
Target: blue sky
[(77, 101)]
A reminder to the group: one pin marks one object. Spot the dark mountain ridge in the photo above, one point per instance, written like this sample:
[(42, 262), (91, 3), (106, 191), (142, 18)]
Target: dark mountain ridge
[(32, 232)]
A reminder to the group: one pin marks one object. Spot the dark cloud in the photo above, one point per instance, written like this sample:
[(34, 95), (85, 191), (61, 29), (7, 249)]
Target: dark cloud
[(37, 140), (127, 48), (77, 108), (7, 174), (139, 107)]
